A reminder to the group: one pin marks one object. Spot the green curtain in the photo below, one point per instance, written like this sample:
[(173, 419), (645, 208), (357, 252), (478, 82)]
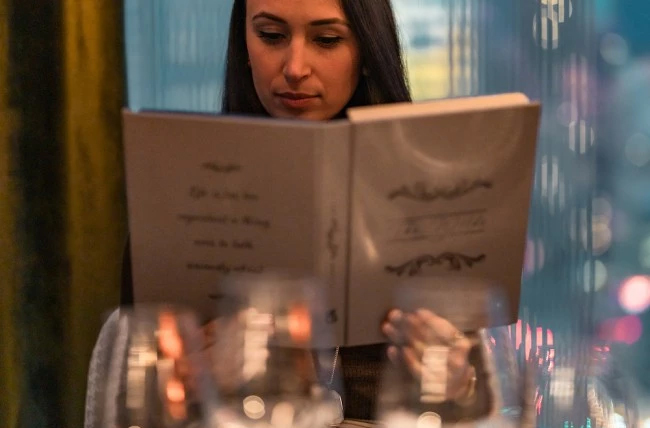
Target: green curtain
[(62, 212)]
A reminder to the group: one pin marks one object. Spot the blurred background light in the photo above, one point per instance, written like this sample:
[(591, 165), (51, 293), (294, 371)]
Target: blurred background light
[(600, 275), (614, 49), (581, 136), (563, 385), (645, 423), (552, 183), (283, 414), (616, 421), (601, 207), (534, 257), (627, 329), (254, 407), (566, 113), (644, 252), (429, 420), (601, 236), (637, 149), (634, 294)]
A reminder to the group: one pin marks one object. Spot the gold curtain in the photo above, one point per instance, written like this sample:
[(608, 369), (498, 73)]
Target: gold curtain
[(8, 358), (62, 211)]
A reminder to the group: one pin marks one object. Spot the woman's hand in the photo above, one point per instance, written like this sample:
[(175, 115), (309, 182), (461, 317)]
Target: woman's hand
[(433, 350), (223, 341)]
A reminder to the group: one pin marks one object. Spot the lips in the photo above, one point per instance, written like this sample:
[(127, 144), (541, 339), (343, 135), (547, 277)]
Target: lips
[(296, 100), (296, 95)]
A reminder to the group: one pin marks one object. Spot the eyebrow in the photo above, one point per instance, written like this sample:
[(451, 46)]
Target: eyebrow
[(318, 22)]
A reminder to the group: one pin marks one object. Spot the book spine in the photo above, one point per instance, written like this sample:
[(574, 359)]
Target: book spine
[(331, 225)]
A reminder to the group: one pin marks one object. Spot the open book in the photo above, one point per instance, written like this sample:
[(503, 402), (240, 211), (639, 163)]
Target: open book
[(394, 191)]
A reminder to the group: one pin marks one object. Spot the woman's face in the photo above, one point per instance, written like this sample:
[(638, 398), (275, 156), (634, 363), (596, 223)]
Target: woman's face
[(303, 56)]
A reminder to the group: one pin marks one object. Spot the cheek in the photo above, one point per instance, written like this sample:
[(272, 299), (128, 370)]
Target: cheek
[(343, 74), (256, 54), (263, 64)]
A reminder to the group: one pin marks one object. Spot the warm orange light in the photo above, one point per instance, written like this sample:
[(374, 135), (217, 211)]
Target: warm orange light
[(168, 338), (299, 323), (175, 391)]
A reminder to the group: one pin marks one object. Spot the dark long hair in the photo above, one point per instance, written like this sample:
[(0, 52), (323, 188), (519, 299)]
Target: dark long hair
[(383, 79)]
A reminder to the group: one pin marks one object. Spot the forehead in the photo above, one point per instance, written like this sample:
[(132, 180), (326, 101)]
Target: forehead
[(297, 11)]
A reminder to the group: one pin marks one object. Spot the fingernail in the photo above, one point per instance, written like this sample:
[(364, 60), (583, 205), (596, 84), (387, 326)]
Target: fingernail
[(392, 353), (384, 327), (425, 312), (395, 315)]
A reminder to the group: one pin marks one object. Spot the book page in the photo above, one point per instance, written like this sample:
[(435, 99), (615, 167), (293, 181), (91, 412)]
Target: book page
[(438, 195), (210, 197)]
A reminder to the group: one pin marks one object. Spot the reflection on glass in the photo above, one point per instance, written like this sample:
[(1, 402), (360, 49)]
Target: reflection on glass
[(445, 367), (157, 376), (263, 344)]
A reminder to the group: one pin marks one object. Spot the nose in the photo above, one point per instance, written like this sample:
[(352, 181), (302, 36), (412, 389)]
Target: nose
[(296, 64)]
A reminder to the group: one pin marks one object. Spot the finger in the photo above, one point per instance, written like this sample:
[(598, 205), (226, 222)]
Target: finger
[(437, 328), (209, 333), (459, 352), (459, 387), (393, 354), (391, 333), (413, 361), (395, 316), (210, 327), (415, 328)]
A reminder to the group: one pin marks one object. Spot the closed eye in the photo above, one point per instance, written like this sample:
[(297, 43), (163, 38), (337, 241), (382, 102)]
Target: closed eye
[(328, 41), (270, 37)]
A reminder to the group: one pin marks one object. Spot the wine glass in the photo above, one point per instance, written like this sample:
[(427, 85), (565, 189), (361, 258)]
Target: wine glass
[(445, 366), (157, 376), (263, 345), (585, 386)]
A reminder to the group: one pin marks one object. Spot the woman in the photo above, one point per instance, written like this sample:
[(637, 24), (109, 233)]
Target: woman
[(331, 50), (313, 59)]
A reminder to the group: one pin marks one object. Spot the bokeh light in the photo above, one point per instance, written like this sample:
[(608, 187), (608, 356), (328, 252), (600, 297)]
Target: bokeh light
[(283, 414), (601, 236), (599, 275), (627, 329), (601, 207), (645, 423), (617, 421), (566, 113), (168, 337), (553, 13), (634, 294), (614, 49), (175, 391), (534, 256), (557, 10), (552, 183), (523, 336), (254, 407), (562, 386), (429, 420), (644, 252), (299, 323), (637, 149), (601, 230), (581, 136)]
